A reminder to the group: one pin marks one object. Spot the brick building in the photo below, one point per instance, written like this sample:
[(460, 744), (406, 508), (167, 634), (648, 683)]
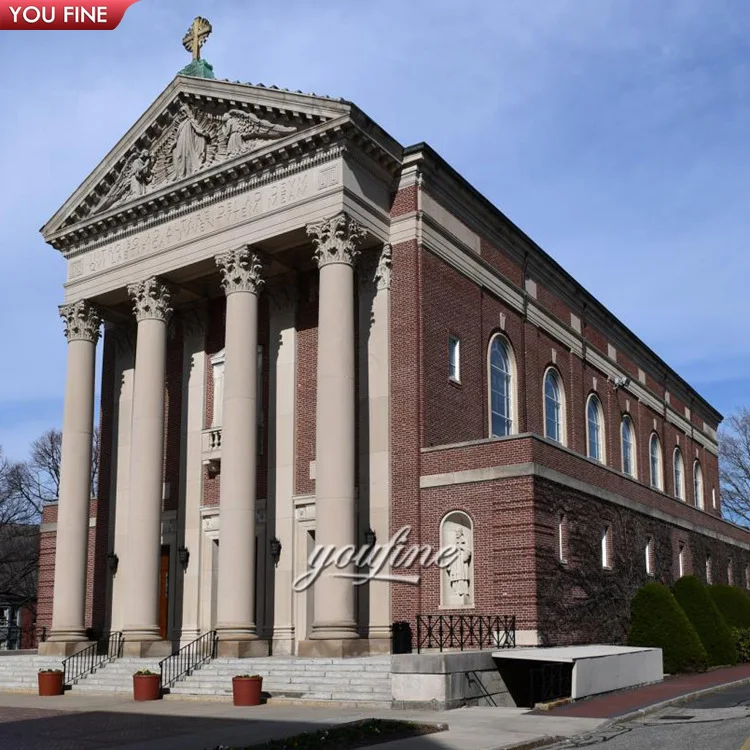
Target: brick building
[(314, 335)]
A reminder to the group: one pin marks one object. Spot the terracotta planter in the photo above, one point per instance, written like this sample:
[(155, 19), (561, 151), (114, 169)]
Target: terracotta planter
[(246, 690), (146, 687), (50, 683)]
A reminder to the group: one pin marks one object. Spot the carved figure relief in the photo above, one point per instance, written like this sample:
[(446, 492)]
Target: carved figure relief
[(189, 152), (244, 131), (458, 578), (197, 139)]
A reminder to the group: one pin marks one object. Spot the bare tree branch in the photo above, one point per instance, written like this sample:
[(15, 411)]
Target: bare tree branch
[(734, 467)]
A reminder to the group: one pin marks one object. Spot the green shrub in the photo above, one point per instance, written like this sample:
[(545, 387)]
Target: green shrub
[(697, 604), (657, 620), (733, 603), (741, 638)]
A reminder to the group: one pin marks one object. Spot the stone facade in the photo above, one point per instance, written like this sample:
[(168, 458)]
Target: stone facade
[(279, 293)]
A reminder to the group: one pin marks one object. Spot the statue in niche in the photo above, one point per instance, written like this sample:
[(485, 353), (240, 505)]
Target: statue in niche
[(459, 572), (244, 130), (189, 152)]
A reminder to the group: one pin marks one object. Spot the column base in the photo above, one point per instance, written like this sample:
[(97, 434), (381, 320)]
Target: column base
[(62, 648), (147, 649), (245, 649), (344, 647)]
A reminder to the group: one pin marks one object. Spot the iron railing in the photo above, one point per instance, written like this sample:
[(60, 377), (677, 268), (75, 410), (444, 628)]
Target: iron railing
[(19, 637), (188, 658), (90, 658), (461, 632)]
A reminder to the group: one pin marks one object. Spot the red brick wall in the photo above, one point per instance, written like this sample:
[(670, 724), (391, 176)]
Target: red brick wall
[(305, 399)]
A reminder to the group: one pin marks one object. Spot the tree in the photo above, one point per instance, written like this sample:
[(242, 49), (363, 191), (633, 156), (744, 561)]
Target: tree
[(734, 466)]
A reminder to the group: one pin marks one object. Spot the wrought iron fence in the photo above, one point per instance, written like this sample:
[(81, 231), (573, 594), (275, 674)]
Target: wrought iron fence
[(87, 660), (461, 632), (20, 637), (187, 659)]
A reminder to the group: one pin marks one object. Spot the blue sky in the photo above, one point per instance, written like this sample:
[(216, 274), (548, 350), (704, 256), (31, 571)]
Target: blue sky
[(615, 133)]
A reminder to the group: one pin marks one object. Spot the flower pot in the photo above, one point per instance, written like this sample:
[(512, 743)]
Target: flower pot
[(146, 687), (246, 690), (50, 683)]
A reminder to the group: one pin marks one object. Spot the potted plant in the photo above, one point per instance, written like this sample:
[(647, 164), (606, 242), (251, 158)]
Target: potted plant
[(146, 685), (246, 689), (51, 681)]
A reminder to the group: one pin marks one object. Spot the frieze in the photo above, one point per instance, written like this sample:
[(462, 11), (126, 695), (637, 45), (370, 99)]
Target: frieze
[(218, 216)]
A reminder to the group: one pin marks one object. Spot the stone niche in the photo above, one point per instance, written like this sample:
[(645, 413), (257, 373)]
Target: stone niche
[(457, 579)]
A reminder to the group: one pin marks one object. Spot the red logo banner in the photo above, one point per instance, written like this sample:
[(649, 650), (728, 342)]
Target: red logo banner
[(59, 15)]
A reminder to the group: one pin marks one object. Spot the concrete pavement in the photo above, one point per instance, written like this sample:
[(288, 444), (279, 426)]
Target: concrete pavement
[(90, 722)]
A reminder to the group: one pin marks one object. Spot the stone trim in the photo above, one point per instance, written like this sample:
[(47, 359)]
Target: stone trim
[(51, 526)]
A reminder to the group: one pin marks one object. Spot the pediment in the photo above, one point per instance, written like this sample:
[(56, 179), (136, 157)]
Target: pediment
[(193, 127)]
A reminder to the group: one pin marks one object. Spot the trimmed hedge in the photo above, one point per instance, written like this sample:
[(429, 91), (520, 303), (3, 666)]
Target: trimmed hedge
[(733, 603), (657, 620), (741, 638), (697, 604)]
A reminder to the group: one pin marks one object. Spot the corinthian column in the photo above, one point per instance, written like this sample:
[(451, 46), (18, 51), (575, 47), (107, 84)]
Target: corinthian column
[(151, 304), (82, 323), (241, 271), (335, 242)]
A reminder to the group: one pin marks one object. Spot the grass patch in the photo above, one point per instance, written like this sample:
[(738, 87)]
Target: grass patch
[(364, 733)]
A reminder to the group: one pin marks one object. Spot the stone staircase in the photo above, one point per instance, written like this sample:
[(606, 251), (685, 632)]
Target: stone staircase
[(360, 682), (18, 671), (114, 676)]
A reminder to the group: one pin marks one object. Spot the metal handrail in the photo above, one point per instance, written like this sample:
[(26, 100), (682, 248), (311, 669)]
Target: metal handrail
[(89, 659), (453, 632), (189, 657)]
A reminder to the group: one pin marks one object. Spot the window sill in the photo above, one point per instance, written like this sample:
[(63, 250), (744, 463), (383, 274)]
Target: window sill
[(454, 382)]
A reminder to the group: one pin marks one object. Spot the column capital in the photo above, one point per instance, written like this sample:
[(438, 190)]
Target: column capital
[(383, 270), (151, 300), (241, 271), (82, 321), (336, 239)]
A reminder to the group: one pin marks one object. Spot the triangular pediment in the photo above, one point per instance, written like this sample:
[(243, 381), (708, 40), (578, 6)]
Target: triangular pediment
[(194, 127)]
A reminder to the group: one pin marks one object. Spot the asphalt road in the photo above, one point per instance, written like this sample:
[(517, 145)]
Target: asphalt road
[(720, 721)]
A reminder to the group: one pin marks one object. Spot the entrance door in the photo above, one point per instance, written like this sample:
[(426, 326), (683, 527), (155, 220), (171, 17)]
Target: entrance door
[(164, 591)]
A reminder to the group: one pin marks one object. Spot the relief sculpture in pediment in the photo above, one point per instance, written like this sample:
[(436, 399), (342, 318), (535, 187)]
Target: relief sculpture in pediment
[(196, 140)]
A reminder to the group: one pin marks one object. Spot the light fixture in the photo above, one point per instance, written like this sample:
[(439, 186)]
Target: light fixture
[(275, 547), (183, 555), (112, 562), (370, 537)]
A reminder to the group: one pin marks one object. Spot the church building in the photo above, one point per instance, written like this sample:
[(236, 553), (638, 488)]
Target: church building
[(315, 335)]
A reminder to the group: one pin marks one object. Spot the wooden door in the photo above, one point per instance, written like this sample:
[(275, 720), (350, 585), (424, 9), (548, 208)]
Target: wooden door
[(164, 591)]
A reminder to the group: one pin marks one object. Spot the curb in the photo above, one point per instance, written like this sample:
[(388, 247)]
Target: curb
[(655, 707), (532, 744)]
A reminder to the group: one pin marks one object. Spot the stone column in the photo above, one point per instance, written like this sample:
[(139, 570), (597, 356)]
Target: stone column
[(151, 303), (68, 633), (335, 439), (241, 271)]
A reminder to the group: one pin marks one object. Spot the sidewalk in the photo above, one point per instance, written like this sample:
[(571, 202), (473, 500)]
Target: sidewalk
[(630, 701)]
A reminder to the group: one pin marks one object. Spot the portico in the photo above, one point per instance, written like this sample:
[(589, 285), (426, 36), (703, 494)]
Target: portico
[(264, 253)]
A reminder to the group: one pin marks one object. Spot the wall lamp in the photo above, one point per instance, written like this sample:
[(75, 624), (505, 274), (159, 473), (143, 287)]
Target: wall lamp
[(112, 562), (183, 555), (275, 547), (370, 537)]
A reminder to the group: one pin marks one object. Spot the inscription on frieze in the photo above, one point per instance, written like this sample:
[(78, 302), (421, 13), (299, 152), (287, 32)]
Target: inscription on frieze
[(223, 215)]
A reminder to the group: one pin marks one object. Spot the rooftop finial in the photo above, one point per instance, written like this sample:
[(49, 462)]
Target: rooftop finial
[(195, 38)]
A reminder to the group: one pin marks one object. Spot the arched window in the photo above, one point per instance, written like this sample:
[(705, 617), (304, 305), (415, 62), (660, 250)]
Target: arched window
[(554, 412), (650, 556), (501, 387), (679, 475), (627, 438), (457, 534), (654, 452), (698, 486), (595, 428)]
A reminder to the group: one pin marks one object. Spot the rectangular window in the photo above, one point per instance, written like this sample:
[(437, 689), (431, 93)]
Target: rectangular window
[(454, 359), (730, 573), (681, 561), (747, 576), (709, 572), (561, 541), (650, 556), (606, 547), (713, 498)]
